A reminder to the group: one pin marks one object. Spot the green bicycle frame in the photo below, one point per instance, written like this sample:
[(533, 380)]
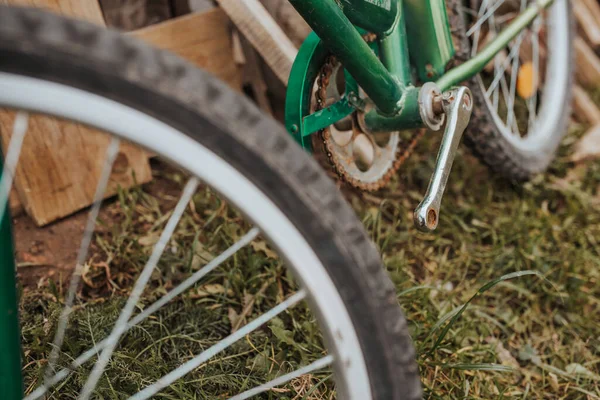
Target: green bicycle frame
[(414, 40)]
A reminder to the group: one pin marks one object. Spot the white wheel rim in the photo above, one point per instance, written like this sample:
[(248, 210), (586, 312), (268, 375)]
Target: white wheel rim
[(555, 88), (63, 101)]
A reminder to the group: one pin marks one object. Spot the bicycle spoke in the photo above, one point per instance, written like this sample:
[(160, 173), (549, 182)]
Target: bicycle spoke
[(505, 94), (513, 86), (179, 289), (111, 155), (13, 152), (535, 49), (513, 53), (484, 18), (475, 46), (217, 348), (315, 366), (121, 324), (496, 93)]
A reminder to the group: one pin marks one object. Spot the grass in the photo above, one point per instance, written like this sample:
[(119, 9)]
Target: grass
[(503, 300), (543, 328)]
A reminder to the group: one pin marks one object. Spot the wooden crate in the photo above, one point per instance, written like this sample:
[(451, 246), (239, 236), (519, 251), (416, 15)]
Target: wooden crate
[(61, 162)]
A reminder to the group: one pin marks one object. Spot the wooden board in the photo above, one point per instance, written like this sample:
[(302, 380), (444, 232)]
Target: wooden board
[(261, 30), (203, 38), (584, 107), (587, 13), (587, 23), (60, 162), (588, 64), (88, 10), (14, 204)]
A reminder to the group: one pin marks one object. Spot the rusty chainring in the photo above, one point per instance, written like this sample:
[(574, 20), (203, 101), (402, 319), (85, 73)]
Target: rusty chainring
[(327, 151)]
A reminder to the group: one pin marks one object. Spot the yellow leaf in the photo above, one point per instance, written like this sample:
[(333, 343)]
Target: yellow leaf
[(527, 81)]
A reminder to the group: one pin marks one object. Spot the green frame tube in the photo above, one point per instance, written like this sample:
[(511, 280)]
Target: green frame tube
[(11, 381), (394, 50), (338, 34), (473, 66), (377, 16), (376, 122), (387, 82), (429, 37)]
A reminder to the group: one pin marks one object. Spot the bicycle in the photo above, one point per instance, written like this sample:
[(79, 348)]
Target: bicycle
[(351, 91), (73, 70)]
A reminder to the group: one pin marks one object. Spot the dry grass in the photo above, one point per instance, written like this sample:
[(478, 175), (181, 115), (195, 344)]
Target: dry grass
[(503, 300)]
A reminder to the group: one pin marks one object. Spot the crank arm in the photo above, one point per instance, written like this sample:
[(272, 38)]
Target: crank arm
[(458, 105)]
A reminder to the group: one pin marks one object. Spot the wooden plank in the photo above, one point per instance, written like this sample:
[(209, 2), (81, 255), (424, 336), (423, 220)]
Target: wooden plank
[(202, 38), (588, 64), (261, 30), (292, 23), (60, 162), (594, 8), (587, 13), (584, 107), (14, 204), (253, 75), (88, 10), (588, 24)]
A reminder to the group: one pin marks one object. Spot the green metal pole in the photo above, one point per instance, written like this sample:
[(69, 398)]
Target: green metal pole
[(429, 37), (393, 49), (11, 384), (476, 64), (409, 116), (377, 16), (339, 35)]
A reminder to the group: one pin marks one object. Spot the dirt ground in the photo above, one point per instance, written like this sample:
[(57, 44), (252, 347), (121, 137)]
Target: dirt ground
[(50, 252)]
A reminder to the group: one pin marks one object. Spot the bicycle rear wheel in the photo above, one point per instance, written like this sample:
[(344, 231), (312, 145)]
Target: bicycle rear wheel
[(523, 97), (73, 70)]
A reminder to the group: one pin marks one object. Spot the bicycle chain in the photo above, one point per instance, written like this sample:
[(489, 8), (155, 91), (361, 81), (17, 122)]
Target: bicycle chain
[(402, 153)]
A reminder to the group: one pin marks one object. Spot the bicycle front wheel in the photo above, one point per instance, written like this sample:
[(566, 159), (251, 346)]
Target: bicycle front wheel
[(268, 188)]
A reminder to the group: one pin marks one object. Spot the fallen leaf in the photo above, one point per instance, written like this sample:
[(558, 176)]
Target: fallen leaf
[(262, 247), (504, 355), (233, 317), (211, 289), (588, 147), (150, 239), (553, 381), (580, 370)]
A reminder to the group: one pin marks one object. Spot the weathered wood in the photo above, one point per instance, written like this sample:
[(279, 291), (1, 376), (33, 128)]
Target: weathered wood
[(14, 204), (202, 38), (253, 74), (128, 15), (587, 14), (292, 23), (88, 10), (594, 9), (261, 30), (61, 162), (588, 64), (584, 107)]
